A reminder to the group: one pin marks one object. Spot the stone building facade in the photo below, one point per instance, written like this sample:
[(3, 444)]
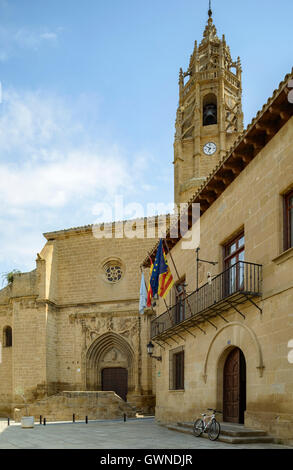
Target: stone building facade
[(225, 338), (73, 325), (75, 322)]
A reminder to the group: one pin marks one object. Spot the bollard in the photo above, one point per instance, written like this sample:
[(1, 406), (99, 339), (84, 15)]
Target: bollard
[(86, 420), (8, 421), (45, 421), (124, 417), (41, 418), (73, 418)]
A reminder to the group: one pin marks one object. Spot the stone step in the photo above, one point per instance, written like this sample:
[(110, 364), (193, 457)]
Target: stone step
[(230, 439), (233, 430)]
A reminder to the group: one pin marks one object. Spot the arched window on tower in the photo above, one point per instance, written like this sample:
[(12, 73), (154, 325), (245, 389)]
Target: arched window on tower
[(210, 110), (7, 337)]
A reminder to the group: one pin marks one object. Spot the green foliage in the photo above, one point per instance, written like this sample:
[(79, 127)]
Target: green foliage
[(9, 277)]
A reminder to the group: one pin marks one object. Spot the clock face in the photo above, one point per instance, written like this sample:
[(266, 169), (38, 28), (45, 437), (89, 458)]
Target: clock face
[(210, 148)]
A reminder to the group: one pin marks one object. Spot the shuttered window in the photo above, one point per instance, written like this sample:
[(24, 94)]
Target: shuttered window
[(179, 370), (176, 369), (288, 221)]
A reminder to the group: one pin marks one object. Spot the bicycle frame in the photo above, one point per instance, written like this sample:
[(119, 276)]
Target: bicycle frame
[(207, 420)]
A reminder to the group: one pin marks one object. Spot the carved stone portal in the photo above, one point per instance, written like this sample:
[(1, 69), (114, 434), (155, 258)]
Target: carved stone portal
[(108, 351)]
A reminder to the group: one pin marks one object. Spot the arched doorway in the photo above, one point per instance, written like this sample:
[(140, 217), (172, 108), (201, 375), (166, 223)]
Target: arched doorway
[(116, 380), (234, 387), (110, 365)]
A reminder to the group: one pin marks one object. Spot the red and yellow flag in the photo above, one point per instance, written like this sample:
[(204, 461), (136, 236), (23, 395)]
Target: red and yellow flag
[(165, 280), (161, 279)]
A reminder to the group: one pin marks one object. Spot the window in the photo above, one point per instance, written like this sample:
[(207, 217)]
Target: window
[(179, 302), (113, 271), (234, 253), (179, 370), (7, 337), (288, 221), (176, 369)]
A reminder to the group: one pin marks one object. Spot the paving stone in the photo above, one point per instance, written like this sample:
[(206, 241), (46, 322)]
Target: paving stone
[(134, 434)]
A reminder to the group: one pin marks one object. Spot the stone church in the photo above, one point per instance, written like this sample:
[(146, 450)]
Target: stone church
[(73, 324), (71, 329)]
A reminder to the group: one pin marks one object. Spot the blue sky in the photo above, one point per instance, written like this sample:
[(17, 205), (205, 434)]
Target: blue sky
[(90, 91)]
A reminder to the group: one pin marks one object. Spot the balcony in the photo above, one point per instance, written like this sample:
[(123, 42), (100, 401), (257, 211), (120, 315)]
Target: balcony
[(230, 289)]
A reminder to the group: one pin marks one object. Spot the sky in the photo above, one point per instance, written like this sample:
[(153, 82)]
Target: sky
[(89, 99)]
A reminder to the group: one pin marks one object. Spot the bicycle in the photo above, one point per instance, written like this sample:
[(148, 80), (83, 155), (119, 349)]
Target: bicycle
[(207, 424)]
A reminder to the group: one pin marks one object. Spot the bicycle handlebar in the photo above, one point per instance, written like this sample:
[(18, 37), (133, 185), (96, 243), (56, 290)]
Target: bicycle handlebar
[(215, 411)]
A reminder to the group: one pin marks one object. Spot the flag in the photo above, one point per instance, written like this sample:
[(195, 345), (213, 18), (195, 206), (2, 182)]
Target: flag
[(150, 292), (166, 280), (142, 295), (161, 278)]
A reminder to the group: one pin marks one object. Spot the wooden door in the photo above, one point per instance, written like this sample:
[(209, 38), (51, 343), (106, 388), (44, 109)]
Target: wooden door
[(234, 393), (115, 379)]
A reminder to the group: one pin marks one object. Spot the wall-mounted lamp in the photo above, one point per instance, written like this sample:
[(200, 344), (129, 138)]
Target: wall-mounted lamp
[(198, 260), (150, 348)]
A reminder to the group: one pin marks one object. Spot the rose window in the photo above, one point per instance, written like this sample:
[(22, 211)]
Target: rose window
[(113, 272)]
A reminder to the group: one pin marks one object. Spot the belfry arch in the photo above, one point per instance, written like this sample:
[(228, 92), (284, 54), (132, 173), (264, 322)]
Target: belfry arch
[(210, 110), (109, 351)]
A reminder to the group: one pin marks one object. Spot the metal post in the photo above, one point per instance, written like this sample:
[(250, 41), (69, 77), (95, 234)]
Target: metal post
[(45, 421), (73, 418), (8, 421), (197, 261), (124, 417), (41, 419), (86, 420)]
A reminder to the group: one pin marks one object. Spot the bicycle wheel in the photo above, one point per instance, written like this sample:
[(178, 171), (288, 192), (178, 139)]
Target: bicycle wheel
[(198, 427), (214, 430)]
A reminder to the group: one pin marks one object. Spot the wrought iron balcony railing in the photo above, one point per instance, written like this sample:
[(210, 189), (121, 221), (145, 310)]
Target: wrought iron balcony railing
[(229, 289)]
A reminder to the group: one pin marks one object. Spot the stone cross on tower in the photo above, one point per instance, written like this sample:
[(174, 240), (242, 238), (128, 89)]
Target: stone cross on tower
[(209, 116)]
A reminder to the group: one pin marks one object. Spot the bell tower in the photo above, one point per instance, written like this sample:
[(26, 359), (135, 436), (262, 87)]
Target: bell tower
[(209, 116)]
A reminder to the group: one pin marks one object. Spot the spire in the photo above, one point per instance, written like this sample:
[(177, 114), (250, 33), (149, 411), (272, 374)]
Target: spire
[(210, 32), (210, 9)]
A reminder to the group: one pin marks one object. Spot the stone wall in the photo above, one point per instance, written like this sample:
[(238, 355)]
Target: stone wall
[(253, 203), (61, 407)]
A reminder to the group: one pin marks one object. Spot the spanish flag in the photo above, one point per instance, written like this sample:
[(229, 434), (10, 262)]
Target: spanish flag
[(161, 279), (166, 280), (150, 292)]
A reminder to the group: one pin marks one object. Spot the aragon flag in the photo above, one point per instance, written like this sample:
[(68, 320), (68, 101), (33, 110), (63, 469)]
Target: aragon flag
[(161, 279)]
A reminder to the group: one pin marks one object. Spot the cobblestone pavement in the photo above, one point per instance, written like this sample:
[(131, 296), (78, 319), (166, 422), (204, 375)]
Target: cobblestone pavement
[(134, 434)]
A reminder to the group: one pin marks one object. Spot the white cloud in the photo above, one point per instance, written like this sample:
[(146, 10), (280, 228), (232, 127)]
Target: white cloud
[(49, 36), (45, 169), (12, 40), (52, 169), (54, 184)]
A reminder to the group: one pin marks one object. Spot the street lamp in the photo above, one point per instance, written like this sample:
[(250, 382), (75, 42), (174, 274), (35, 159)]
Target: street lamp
[(150, 349)]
